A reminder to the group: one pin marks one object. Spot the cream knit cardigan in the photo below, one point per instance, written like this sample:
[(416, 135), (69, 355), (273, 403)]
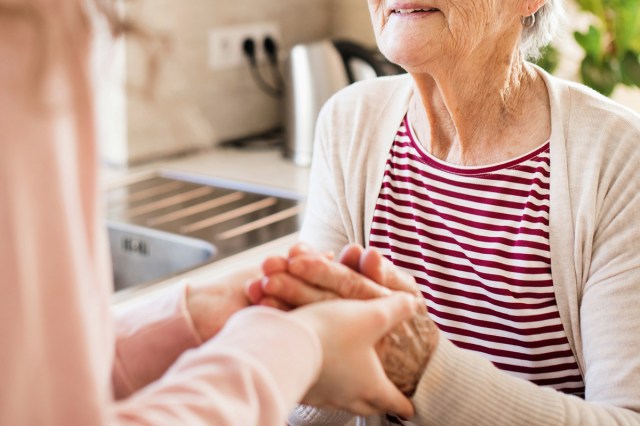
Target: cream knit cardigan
[(595, 255)]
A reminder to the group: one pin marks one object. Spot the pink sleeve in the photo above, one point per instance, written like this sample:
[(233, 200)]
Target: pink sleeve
[(252, 373), (150, 336)]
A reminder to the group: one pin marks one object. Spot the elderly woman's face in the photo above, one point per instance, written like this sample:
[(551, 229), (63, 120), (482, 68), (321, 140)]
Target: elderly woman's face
[(413, 33)]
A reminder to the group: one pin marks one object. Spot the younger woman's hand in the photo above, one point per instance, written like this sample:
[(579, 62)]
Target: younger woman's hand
[(352, 377), (210, 305)]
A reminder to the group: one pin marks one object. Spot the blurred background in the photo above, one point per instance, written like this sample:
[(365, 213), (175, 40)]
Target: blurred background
[(189, 86)]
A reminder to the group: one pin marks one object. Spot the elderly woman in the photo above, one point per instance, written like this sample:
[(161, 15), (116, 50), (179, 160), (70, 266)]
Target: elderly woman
[(513, 199)]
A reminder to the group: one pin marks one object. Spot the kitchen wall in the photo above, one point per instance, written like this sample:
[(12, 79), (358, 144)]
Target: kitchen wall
[(350, 19), (192, 106)]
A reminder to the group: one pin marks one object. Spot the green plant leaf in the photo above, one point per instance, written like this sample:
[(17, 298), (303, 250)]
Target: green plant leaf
[(591, 42), (601, 77), (630, 69), (627, 25), (612, 45), (549, 58), (596, 7)]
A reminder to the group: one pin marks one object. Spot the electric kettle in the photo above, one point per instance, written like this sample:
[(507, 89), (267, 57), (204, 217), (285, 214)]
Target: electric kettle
[(314, 72)]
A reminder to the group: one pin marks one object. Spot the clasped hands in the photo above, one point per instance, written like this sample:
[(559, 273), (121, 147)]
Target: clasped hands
[(401, 355)]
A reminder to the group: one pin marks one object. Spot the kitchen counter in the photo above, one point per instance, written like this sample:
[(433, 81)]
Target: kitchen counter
[(255, 167)]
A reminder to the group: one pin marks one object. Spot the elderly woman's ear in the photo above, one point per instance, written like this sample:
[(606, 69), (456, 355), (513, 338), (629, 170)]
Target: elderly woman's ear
[(530, 7)]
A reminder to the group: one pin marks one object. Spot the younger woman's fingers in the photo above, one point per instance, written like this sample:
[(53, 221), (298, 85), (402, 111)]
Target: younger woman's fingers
[(388, 312), (253, 290), (272, 302), (363, 408), (396, 404), (388, 399)]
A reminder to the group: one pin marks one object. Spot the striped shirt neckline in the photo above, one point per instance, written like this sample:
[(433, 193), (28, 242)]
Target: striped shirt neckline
[(468, 170)]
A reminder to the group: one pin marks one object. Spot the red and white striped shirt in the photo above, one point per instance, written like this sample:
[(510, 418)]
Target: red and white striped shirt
[(477, 241)]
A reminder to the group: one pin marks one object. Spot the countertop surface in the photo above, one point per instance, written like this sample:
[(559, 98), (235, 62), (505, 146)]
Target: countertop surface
[(255, 167)]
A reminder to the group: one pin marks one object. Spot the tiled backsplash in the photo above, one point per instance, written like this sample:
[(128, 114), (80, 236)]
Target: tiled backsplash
[(193, 106)]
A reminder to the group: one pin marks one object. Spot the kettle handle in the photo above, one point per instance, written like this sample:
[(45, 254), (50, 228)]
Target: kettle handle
[(349, 50)]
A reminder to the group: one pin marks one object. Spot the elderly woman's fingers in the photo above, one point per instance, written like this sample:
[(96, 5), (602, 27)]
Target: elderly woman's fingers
[(335, 277), (294, 291), (278, 285), (350, 256), (274, 264), (299, 249), (381, 270)]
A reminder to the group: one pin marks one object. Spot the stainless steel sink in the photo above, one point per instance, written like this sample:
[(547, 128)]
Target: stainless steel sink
[(143, 255), (164, 224)]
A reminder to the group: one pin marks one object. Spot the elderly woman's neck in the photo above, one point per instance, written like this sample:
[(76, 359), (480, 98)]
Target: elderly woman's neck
[(481, 114)]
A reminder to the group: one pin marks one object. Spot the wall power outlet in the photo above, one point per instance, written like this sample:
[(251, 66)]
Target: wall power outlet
[(225, 43)]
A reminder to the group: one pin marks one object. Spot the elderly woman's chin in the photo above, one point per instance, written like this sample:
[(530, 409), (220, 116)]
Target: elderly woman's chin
[(413, 54), (411, 60)]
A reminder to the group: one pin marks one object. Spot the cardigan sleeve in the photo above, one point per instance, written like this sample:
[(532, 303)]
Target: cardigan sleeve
[(325, 225), (460, 387), (609, 317)]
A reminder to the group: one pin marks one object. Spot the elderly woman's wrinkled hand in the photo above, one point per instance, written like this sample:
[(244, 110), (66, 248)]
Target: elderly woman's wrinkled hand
[(405, 351), (308, 276)]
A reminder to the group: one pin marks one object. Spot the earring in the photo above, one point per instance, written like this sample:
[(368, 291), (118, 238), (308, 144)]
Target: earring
[(529, 21)]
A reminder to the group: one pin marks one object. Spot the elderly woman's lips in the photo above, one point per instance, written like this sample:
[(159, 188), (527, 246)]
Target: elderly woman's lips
[(412, 11)]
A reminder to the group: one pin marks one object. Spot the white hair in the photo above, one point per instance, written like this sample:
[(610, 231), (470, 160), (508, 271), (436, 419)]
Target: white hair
[(549, 18)]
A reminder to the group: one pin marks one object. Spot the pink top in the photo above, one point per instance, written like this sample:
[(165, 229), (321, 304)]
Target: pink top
[(57, 337)]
